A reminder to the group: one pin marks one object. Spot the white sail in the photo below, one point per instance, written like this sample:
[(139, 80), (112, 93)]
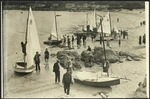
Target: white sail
[(53, 30), (33, 44), (86, 22), (106, 24), (92, 21)]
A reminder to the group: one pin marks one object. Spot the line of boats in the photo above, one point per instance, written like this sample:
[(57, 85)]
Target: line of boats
[(33, 46)]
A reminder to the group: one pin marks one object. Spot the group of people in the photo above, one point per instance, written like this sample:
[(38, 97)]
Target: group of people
[(69, 42), (67, 77), (142, 23), (80, 39), (142, 41)]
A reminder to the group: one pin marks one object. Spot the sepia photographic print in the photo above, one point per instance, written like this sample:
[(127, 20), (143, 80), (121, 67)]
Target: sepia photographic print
[(75, 49)]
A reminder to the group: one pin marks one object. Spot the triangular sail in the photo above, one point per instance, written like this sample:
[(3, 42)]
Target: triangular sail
[(106, 25), (92, 21), (33, 44), (53, 32), (86, 22)]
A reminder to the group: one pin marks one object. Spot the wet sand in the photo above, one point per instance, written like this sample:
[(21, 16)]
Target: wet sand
[(41, 84)]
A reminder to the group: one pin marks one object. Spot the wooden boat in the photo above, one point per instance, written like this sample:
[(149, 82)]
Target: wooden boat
[(32, 46), (92, 79), (105, 83), (90, 21), (56, 38), (107, 28)]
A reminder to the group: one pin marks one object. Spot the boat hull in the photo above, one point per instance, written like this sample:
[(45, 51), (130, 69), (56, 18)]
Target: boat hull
[(107, 83), (53, 42), (19, 67)]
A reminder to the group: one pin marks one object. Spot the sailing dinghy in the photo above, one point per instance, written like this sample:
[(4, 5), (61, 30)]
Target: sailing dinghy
[(56, 38), (95, 79), (32, 46)]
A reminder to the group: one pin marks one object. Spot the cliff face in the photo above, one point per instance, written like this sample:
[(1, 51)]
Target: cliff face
[(73, 5)]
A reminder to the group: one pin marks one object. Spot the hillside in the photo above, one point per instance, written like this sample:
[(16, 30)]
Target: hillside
[(73, 5)]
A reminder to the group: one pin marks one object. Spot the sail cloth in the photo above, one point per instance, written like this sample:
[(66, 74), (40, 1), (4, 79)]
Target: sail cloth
[(92, 21), (33, 44), (55, 32), (106, 24)]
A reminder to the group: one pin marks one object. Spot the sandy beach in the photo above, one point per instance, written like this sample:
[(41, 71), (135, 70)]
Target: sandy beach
[(41, 84)]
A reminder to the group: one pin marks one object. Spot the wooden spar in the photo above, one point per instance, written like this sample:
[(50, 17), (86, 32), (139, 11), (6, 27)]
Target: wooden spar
[(103, 38), (27, 26), (56, 25)]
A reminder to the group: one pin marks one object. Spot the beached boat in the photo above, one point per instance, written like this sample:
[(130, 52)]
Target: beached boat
[(108, 31), (56, 37), (92, 79), (32, 46), (89, 25)]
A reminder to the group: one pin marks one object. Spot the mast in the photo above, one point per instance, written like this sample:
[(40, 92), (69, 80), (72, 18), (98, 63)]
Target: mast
[(56, 25), (103, 38), (27, 25)]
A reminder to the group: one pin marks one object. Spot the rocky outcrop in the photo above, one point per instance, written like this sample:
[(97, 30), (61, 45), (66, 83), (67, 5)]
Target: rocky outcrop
[(99, 55), (66, 56), (132, 56), (88, 58)]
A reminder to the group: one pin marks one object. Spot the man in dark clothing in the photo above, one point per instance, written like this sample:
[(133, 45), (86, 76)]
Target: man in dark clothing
[(23, 45), (106, 65), (57, 72), (69, 43), (84, 40), (37, 60), (72, 41), (144, 39), (140, 40), (119, 42), (67, 80), (46, 55)]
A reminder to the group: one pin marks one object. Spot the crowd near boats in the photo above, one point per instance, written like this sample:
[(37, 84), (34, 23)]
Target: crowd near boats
[(97, 27)]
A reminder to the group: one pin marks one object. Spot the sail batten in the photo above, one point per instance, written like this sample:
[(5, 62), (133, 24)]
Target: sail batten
[(33, 44)]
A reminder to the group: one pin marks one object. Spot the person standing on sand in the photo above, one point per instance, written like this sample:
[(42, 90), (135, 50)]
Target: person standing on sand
[(69, 67), (67, 80), (23, 45), (140, 40), (69, 43), (56, 69), (72, 41), (144, 39), (37, 60), (106, 66), (108, 44), (46, 55), (119, 42)]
